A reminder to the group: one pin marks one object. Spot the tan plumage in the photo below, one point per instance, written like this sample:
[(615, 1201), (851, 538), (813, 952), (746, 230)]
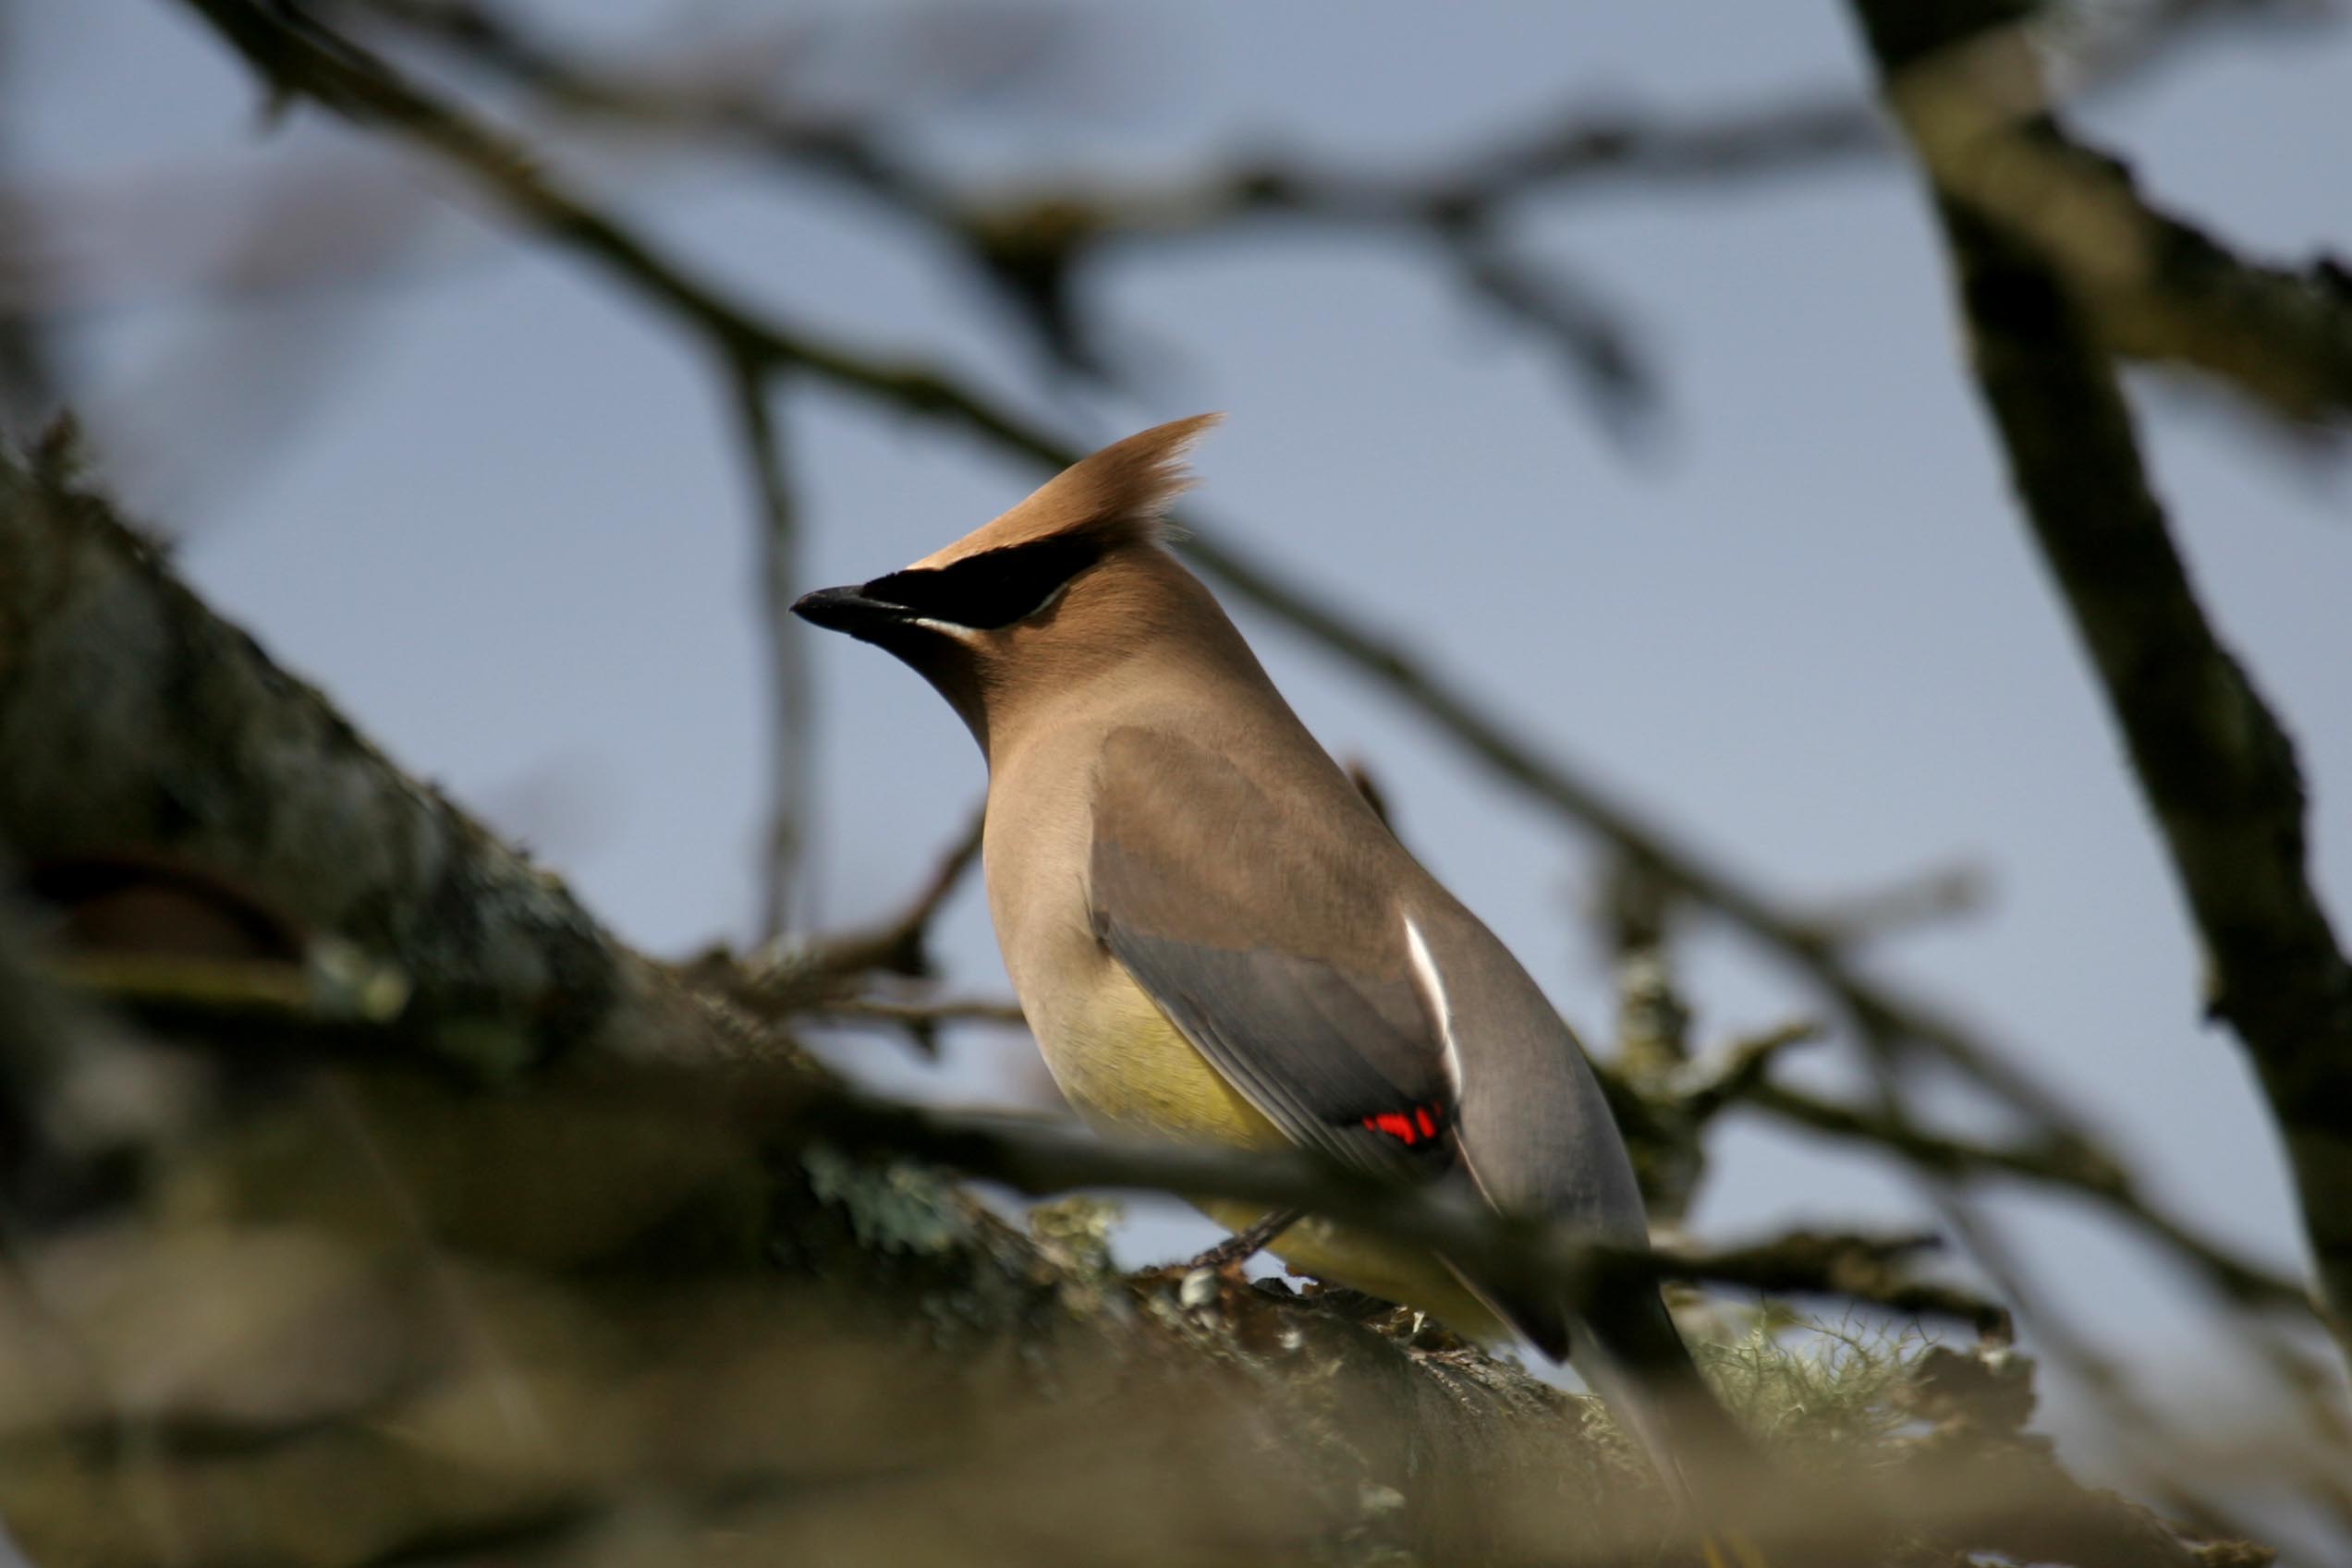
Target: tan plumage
[(1216, 938), (1051, 692)]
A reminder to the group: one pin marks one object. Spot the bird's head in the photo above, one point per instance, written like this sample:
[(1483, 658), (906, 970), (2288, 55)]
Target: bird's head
[(1061, 588)]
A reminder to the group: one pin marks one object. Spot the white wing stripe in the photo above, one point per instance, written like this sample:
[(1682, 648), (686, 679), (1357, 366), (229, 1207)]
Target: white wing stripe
[(1433, 990)]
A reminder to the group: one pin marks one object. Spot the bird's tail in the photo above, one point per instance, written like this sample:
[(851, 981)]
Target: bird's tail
[(1636, 1360)]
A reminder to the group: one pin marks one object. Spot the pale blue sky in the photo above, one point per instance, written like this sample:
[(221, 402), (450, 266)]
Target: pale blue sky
[(505, 529)]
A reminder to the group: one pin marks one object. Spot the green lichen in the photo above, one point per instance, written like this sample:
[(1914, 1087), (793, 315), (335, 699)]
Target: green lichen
[(896, 1207), (1077, 1230), (1815, 1385)]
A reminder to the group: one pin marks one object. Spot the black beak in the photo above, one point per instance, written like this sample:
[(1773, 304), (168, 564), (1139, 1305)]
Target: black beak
[(847, 609)]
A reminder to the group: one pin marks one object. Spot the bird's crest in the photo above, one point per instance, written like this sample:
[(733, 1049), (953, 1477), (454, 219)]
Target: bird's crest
[(1120, 495)]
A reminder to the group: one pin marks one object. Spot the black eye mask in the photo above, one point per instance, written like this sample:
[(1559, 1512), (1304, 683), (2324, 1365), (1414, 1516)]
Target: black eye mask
[(990, 589)]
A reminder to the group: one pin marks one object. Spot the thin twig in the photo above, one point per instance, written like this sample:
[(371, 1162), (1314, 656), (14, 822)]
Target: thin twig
[(1929, 898), (897, 944), (825, 975), (1737, 1073), (2058, 1163), (789, 697), (1859, 1268), (1030, 244), (2165, 291)]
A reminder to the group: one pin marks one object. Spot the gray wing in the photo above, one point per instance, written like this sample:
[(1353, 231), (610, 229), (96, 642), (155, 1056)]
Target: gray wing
[(1265, 924)]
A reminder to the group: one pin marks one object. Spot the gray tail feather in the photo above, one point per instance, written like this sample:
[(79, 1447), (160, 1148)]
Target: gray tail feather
[(1636, 1360), (1630, 1353), (1627, 1348)]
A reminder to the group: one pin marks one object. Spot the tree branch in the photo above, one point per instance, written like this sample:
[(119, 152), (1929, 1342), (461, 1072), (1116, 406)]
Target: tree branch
[(2212, 762), (130, 716), (2141, 283), (790, 702), (824, 976), (2056, 1163), (2164, 290)]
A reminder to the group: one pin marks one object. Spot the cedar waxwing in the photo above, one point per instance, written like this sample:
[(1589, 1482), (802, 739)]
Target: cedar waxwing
[(1216, 938)]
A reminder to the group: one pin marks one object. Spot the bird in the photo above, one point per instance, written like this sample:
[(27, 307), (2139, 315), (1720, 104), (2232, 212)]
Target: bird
[(1216, 938)]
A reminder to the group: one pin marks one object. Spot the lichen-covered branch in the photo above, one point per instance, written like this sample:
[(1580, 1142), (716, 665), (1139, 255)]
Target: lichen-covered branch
[(2212, 762), (131, 719)]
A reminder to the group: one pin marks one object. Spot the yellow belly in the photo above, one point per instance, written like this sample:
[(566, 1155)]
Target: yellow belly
[(1123, 1066)]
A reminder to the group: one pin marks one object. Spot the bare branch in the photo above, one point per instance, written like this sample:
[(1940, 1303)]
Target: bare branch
[(1733, 1074), (2140, 282), (1929, 898), (2055, 1162), (2215, 766), (1855, 1267), (790, 702), (1031, 245), (1583, 800), (2165, 290), (825, 975), (629, 95), (28, 375), (1604, 361)]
